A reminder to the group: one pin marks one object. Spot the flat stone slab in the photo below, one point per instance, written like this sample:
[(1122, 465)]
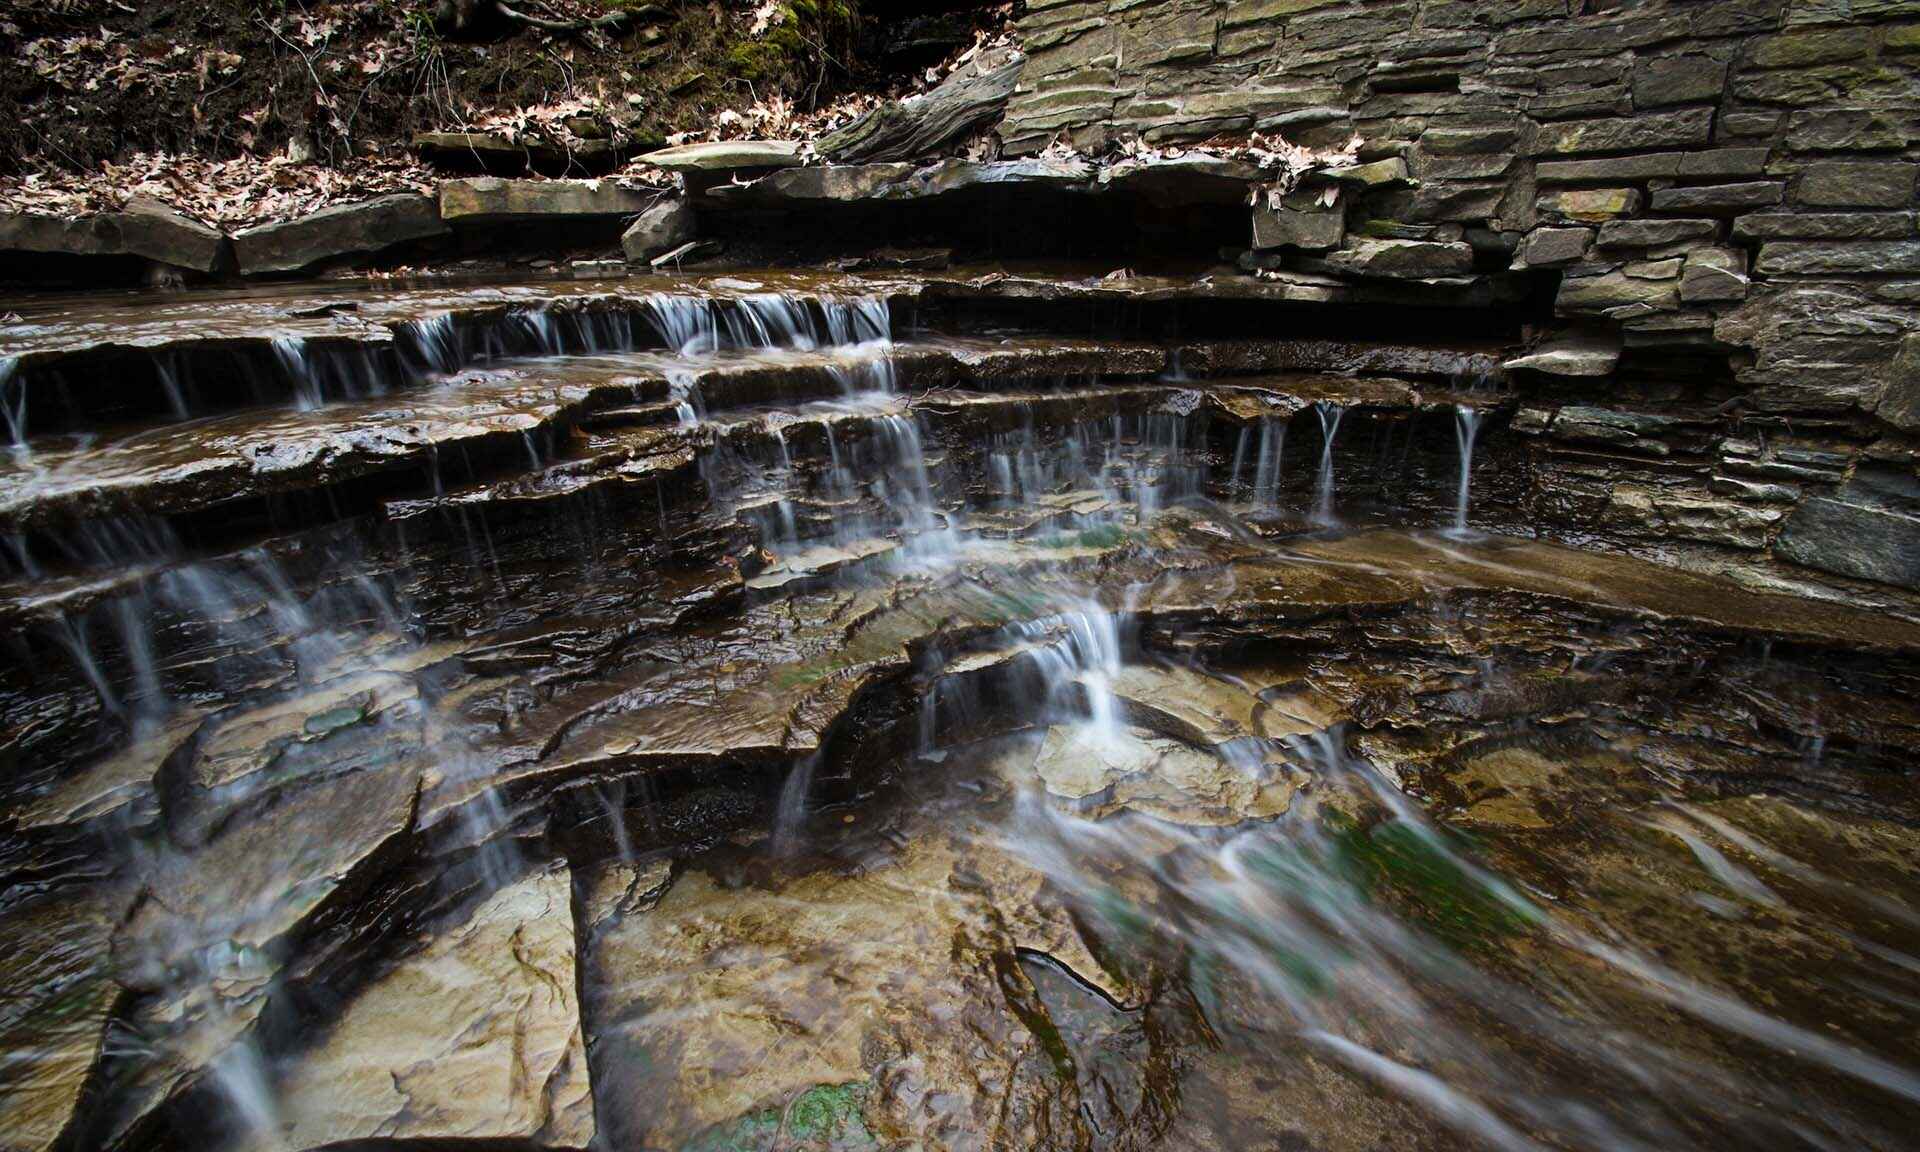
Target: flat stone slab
[(184, 466), (496, 200), (336, 231), (1572, 357), (145, 228), (723, 155), (477, 1037)]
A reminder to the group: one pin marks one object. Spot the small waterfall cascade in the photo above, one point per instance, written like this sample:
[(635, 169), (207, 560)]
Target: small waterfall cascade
[(13, 403), (1266, 474), (1466, 428), (1329, 414)]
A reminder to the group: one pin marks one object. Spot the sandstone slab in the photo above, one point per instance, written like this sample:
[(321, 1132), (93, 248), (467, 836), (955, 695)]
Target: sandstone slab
[(495, 200), (336, 231), (475, 1038), (726, 155)]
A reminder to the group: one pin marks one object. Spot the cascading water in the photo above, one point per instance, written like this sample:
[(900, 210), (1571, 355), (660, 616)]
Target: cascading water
[(1466, 428), (1113, 841), (1329, 414)]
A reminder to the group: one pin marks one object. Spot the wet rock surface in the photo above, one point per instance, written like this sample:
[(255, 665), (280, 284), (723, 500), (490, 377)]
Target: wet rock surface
[(869, 711)]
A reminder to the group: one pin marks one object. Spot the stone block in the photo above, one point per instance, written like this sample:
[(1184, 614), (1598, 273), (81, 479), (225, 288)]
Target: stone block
[(1899, 401), (1853, 539), (1719, 197), (492, 200), (1486, 166), (1856, 184), (1691, 128), (1824, 226), (1844, 130), (1439, 200), (1468, 141), (146, 228), (1401, 259), (1583, 356), (1822, 258), (1590, 205), (1685, 79), (1551, 246), (1646, 166), (1312, 229), (726, 156), (336, 231), (1654, 233), (1615, 290), (1723, 162), (1714, 275), (1824, 46), (1747, 125)]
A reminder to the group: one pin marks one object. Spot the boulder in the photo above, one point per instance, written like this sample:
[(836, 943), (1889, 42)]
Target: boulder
[(493, 200), (727, 155), (474, 1039), (967, 101), (661, 228), (336, 231)]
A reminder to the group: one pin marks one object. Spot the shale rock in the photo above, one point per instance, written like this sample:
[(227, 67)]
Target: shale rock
[(145, 228), (336, 231), (476, 1037), (969, 99), (1404, 259), (493, 200), (661, 228), (726, 155)]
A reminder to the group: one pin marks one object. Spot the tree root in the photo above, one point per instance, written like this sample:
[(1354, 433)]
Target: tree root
[(485, 19)]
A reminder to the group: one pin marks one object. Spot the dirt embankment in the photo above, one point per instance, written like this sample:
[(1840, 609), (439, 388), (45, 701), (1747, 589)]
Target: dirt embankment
[(343, 83)]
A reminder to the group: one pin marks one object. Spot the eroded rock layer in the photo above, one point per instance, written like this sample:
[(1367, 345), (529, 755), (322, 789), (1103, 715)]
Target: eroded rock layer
[(957, 713)]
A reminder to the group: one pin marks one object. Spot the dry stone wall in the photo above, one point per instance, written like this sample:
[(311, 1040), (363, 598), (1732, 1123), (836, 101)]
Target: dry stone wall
[(1731, 181)]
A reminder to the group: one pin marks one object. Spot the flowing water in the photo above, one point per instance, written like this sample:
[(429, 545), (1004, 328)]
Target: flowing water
[(709, 719)]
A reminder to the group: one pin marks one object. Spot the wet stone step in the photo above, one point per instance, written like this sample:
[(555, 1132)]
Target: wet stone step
[(471, 421)]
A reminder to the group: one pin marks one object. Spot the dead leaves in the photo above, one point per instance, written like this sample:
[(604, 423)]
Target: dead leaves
[(227, 193)]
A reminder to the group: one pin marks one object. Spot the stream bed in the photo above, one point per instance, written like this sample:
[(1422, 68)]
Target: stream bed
[(810, 712)]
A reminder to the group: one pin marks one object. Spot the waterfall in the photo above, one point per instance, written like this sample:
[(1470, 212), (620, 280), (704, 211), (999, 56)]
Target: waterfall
[(1329, 413), (1266, 475), (291, 352), (165, 366), (436, 343), (790, 815), (1240, 456), (1466, 428), (13, 403)]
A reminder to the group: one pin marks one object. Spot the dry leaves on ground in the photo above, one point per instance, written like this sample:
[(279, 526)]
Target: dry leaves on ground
[(227, 193)]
